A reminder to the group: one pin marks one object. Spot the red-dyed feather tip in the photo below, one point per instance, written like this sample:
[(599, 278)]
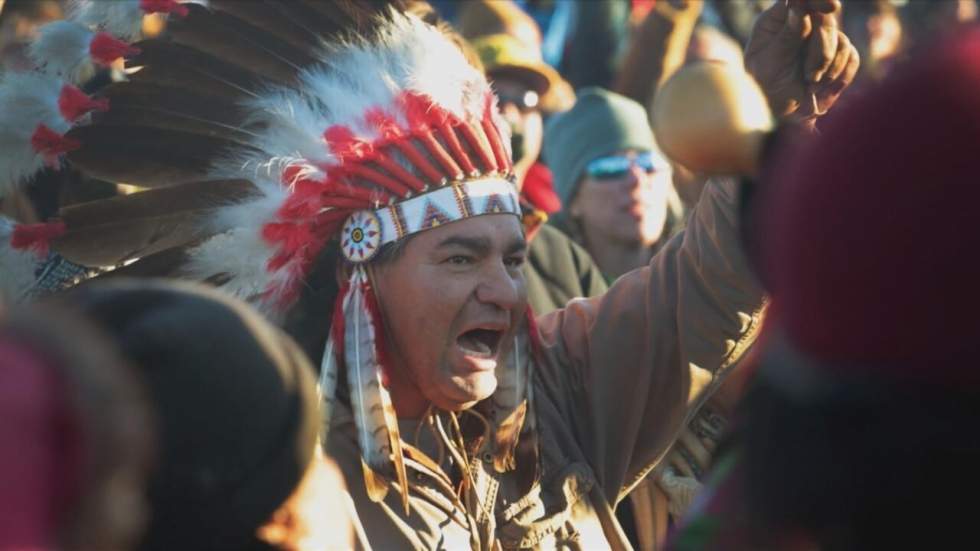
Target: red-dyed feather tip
[(385, 124), (164, 6), (50, 144), (73, 103), (345, 145), (36, 237), (105, 49)]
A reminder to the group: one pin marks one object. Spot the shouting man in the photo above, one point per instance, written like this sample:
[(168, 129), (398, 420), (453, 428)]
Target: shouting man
[(458, 419)]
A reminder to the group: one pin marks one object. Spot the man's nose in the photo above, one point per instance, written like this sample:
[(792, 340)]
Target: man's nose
[(634, 176), (499, 287)]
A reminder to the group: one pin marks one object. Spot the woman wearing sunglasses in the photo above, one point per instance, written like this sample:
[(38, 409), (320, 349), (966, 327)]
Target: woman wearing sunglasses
[(620, 205), (615, 185)]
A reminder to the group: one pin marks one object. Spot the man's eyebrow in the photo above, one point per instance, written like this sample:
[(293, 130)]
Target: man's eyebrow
[(479, 245), (518, 245)]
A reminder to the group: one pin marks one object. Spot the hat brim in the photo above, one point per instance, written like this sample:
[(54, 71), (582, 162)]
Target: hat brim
[(541, 77)]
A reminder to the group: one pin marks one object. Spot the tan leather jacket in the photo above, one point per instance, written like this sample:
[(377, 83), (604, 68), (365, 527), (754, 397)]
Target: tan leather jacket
[(620, 375)]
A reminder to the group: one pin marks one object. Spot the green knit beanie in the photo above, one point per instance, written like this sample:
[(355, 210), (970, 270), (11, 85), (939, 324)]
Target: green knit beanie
[(600, 123)]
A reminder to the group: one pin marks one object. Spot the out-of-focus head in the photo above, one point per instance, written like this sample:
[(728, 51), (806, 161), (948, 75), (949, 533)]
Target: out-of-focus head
[(525, 86), (19, 20), (77, 437), (864, 224), (710, 44), (508, 42), (235, 400), (866, 377), (488, 17), (608, 169), (923, 18), (875, 29)]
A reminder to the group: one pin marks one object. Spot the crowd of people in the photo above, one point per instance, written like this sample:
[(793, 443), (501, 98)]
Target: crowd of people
[(487, 274)]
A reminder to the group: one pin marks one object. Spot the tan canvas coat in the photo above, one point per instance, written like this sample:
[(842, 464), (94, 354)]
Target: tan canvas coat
[(620, 375)]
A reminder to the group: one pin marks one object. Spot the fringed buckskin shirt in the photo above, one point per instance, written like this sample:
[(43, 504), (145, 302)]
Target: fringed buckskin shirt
[(617, 378)]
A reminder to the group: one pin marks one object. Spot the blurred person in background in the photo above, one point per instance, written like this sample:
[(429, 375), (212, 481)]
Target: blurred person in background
[(508, 44), (19, 20), (672, 35), (858, 431), (78, 437), (614, 181), (237, 466), (876, 29), (622, 208), (924, 18)]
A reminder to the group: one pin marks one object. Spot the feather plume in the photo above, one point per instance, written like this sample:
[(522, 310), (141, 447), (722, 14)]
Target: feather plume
[(240, 253), (511, 402), (146, 157), (327, 387), (29, 100), (17, 267), (153, 106), (166, 63), (368, 396), (195, 196), (395, 438), (280, 19), (115, 242), (62, 49), (232, 40), (165, 263)]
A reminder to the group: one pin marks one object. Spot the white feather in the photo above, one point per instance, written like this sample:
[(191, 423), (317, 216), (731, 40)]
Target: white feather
[(122, 18), (409, 55), (16, 267), (355, 77), (239, 251), (62, 49), (28, 99)]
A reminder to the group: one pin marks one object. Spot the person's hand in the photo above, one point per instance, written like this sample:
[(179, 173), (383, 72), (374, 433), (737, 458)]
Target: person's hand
[(800, 58)]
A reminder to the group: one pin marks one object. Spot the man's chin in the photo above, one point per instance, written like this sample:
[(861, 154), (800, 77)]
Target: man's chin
[(465, 392)]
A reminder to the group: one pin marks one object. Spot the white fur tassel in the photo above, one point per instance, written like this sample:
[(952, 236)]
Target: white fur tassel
[(28, 99), (122, 18), (239, 251), (62, 49), (16, 267)]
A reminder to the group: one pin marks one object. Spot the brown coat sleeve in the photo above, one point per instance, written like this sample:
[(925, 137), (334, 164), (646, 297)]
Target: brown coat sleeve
[(630, 366)]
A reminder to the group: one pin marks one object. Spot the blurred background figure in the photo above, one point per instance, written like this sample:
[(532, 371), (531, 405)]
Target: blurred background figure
[(876, 30), (858, 431), (77, 437), (508, 43), (19, 20), (924, 18), (238, 466), (619, 200)]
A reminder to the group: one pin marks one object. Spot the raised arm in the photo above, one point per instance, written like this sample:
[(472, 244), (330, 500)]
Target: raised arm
[(635, 361)]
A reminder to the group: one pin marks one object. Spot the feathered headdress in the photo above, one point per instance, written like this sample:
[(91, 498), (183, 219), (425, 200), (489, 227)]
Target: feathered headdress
[(262, 132)]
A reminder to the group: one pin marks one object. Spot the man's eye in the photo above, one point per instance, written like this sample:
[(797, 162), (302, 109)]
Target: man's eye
[(459, 260), (514, 262)]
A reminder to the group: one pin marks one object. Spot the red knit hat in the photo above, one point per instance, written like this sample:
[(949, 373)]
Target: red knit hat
[(870, 235)]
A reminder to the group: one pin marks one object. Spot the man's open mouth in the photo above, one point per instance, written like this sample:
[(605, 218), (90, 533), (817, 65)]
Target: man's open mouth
[(480, 342)]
